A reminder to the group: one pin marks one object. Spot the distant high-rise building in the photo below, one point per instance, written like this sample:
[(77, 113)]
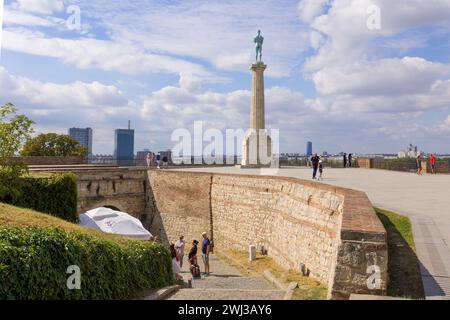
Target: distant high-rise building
[(124, 146), (83, 136), (309, 149)]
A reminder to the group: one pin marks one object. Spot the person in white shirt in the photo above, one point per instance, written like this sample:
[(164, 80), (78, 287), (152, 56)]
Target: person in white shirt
[(175, 263), (179, 246)]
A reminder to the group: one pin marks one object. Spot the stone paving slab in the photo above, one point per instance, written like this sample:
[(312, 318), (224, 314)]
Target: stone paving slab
[(227, 294), (226, 283)]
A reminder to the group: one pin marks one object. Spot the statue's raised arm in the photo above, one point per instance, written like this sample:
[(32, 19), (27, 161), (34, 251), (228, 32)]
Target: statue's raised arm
[(259, 40)]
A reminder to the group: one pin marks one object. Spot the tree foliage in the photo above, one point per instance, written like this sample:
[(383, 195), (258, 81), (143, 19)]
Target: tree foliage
[(53, 145), (15, 130)]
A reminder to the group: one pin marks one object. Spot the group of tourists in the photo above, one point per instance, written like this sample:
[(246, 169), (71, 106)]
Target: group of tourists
[(432, 161), (164, 160), (177, 253), (347, 160), (317, 164)]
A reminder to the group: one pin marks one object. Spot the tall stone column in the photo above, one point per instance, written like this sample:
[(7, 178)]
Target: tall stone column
[(257, 146), (257, 116)]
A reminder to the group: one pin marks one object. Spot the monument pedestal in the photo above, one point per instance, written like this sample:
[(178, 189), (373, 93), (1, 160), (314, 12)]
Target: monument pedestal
[(257, 146), (257, 150)]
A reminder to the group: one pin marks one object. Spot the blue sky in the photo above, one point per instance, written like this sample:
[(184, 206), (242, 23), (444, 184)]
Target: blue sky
[(165, 64)]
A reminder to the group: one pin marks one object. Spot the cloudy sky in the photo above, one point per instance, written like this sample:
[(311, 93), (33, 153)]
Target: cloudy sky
[(336, 74)]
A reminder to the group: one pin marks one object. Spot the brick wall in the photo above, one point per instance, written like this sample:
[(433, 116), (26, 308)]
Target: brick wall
[(55, 161), (333, 231)]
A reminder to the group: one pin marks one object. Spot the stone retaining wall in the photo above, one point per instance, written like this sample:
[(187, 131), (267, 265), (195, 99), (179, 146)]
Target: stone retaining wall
[(333, 231), (51, 161)]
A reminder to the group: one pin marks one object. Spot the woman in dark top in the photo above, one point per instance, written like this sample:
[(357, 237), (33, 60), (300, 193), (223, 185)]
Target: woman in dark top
[(193, 252)]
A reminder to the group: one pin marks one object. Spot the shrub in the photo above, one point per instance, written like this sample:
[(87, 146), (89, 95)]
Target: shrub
[(33, 264), (55, 195)]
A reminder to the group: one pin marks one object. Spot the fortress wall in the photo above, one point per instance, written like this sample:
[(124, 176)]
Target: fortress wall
[(296, 223), (333, 231), (179, 204)]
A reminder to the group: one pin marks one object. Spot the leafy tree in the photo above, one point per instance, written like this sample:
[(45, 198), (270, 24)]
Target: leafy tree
[(15, 130), (53, 145)]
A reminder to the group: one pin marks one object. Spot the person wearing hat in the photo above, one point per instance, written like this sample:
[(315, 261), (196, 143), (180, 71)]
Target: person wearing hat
[(206, 247)]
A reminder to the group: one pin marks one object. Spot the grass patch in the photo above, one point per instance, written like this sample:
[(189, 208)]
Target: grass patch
[(15, 217), (36, 249), (309, 289), (405, 279)]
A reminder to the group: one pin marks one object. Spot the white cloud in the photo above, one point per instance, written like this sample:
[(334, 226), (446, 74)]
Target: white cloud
[(310, 9), (88, 53), (41, 6), (35, 95), (16, 17), (219, 33), (190, 82), (384, 77)]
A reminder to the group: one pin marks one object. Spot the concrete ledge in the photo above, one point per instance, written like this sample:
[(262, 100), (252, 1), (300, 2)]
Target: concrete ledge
[(289, 289), (273, 280), (371, 297), (163, 293)]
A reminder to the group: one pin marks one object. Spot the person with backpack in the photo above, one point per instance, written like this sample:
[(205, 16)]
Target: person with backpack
[(315, 164), (158, 161)]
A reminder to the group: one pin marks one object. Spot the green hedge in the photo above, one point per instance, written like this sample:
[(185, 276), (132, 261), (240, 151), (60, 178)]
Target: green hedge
[(55, 195), (33, 264)]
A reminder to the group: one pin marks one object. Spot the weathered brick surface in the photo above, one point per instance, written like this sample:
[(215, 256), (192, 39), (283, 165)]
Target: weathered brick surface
[(120, 188), (52, 161), (179, 204), (333, 231)]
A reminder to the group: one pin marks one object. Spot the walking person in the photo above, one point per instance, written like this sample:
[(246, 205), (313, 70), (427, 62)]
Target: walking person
[(350, 158), (345, 160), (419, 164), (165, 161), (433, 163), (179, 246), (206, 247), (320, 170), (158, 161), (315, 164)]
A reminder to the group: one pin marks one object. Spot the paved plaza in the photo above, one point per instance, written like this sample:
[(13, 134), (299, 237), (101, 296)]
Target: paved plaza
[(425, 199)]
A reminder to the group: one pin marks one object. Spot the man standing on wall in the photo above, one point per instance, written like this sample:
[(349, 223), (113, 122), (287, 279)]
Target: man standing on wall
[(206, 247), (315, 164)]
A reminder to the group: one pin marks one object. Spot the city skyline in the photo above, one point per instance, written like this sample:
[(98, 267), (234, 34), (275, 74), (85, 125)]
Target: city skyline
[(329, 77)]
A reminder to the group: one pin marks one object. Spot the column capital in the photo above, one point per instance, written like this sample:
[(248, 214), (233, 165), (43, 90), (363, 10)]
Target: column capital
[(258, 66)]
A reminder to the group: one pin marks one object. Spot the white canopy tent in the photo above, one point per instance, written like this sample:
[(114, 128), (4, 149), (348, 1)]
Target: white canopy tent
[(115, 222)]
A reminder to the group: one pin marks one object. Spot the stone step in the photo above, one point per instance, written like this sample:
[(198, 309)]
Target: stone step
[(227, 294), (236, 282)]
